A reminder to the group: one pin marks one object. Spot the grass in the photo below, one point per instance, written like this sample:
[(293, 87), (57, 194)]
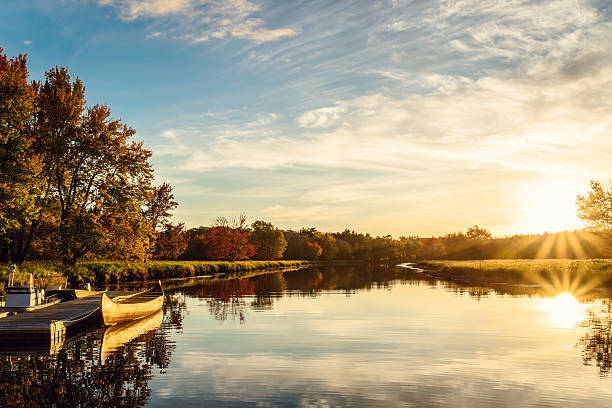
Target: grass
[(101, 273), (564, 274)]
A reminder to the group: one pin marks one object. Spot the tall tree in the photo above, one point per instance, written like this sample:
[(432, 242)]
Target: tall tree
[(596, 207), (160, 203), (20, 168), (91, 167), (269, 242)]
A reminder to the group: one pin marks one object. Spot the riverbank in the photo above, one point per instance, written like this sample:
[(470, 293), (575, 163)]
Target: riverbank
[(565, 273), (103, 273)]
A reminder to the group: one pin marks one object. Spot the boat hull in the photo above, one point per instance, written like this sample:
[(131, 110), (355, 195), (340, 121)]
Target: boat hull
[(127, 308)]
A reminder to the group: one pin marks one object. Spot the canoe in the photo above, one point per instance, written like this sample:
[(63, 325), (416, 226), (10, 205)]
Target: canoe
[(119, 334), (135, 306)]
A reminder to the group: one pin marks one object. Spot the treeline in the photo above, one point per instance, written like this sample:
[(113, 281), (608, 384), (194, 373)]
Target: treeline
[(235, 240), (560, 245), (261, 240), (595, 209), (73, 183)]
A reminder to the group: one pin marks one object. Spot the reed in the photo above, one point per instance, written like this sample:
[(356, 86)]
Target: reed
[(112, 272), (526, 271)]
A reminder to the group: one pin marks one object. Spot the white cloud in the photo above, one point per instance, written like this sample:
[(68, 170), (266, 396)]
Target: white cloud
[(477, 95), (201, 20), (133, 9), (556, 121), (27, 42), (322, 117)]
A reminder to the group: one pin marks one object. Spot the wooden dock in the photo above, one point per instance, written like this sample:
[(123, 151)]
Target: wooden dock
[(53, 324)]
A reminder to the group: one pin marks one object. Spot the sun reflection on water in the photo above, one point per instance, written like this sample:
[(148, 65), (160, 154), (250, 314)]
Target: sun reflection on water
[(564, 311)]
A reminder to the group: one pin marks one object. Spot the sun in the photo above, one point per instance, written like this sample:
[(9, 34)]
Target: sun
[(549, 207)]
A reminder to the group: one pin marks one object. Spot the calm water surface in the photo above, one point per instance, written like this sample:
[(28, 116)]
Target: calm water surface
[(345, 336)]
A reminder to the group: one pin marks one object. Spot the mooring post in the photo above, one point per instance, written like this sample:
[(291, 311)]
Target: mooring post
[(12, 268)]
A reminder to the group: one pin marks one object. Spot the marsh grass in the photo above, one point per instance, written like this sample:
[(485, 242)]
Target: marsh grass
[(559, 275), (101, 273)]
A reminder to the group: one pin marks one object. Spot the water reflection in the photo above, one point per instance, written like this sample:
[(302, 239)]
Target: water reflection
[(87, 373), (289, 339), (120, 334), (564, 311), (596, 344)]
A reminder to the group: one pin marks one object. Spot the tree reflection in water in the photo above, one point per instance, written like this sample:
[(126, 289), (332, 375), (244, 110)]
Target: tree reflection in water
[(596, 344), (233, 299), (76, 377)]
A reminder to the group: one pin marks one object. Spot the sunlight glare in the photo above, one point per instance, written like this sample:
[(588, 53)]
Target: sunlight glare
[(564, 311), (549, 207)]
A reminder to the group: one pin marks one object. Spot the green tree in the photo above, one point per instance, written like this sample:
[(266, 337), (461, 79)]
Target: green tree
[(269, 242), (596, 207)]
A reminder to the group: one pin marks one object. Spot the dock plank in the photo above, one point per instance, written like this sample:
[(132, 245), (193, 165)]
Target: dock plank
[(68, 313)]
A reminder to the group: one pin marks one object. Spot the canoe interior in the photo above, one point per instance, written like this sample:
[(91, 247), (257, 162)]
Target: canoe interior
[(132, 307)]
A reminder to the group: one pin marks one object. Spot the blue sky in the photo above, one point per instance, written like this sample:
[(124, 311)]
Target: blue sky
[(392, 117)]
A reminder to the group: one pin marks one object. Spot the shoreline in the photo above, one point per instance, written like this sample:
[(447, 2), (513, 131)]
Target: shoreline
[(113, 273), (581, 277)]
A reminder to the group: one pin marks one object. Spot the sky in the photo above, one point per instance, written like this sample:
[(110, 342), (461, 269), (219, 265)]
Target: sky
[(389, 117)]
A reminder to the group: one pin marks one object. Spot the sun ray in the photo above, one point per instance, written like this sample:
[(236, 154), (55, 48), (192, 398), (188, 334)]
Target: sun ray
[(546, 247), (561, 245), (576, 246)]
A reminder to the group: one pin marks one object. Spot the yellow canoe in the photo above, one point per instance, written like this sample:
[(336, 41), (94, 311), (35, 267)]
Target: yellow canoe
[(132, 307)]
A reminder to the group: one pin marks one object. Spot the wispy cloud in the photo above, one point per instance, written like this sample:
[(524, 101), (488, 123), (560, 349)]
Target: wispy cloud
[(201, 20), (411, 107)]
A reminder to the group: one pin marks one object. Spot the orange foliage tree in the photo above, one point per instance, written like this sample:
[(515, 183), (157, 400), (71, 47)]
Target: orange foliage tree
[(229, 240)]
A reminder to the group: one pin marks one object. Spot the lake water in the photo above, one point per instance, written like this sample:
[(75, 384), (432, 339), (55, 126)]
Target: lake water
[(327, 337)]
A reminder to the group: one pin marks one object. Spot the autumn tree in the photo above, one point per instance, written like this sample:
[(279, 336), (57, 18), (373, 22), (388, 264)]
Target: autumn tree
[(301, 245), (329, 248), (96, 172), (160, 203), (170, 242), (20, 167), (229, 240), (71, 172), (269, 242), (596, 207)]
